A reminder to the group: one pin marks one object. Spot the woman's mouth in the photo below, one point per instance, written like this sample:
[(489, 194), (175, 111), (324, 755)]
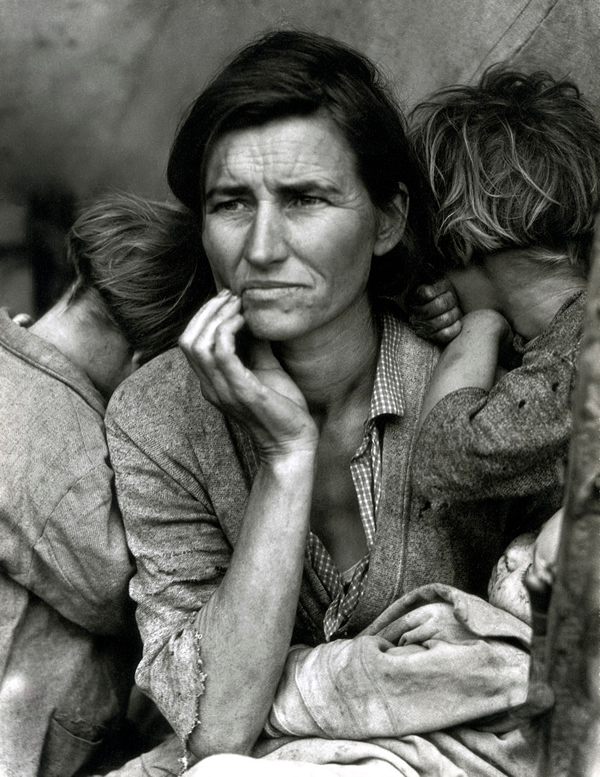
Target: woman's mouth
[(268, 291)]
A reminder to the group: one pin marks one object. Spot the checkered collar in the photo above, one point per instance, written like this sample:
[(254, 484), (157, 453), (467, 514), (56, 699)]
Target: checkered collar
[(387, 397)]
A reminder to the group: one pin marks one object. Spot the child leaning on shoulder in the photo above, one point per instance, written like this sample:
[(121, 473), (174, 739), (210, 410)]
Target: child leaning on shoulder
[(514, 168)]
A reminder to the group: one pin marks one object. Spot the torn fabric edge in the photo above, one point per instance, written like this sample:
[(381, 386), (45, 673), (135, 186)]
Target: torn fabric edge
[(199, 690)]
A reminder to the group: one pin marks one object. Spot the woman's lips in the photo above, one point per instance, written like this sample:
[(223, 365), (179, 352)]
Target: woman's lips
[(267, 291)]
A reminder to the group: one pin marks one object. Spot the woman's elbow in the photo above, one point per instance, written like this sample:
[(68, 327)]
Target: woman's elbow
[(205, 741)]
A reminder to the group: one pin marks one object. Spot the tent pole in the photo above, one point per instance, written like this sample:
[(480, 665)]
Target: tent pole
[(571, 730)]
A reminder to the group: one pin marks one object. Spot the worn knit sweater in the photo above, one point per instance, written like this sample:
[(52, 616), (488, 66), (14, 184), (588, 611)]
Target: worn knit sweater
[(511, 441), (183, 475)]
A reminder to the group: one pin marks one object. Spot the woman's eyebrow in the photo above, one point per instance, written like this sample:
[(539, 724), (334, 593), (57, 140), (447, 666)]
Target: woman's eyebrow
[(285, 189), (308, 185), (226, 191)]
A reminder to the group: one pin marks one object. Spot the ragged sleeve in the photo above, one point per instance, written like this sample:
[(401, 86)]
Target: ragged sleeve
[(506, 443), (180, 551)]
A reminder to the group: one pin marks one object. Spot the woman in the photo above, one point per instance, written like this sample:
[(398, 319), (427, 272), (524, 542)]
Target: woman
[(265, 490)]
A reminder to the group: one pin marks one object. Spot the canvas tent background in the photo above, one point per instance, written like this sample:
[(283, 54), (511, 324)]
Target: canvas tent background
[(92, 90)]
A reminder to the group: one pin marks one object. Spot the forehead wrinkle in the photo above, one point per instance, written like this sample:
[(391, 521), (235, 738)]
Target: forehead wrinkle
[(280, 159)]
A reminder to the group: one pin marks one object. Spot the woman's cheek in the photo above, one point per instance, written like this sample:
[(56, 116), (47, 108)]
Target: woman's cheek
[(217, 267)]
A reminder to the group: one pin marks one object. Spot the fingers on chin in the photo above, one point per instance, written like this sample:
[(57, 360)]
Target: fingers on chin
[(211, 315)]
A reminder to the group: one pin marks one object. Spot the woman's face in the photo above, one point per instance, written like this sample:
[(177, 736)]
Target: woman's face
[(290, 227)]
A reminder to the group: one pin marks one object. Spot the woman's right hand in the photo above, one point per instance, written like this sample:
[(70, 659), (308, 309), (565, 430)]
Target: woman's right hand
[(261, 397)]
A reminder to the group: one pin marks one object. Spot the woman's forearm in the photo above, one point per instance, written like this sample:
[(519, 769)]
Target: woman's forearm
[(245, 628)]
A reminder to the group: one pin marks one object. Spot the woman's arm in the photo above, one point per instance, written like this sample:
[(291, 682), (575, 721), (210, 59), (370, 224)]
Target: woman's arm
[(451, 660), (247, 624), (183, 489)]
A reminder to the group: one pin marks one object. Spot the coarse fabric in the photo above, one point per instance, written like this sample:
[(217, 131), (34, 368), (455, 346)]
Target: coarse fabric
[(512, 440), (65, 657), (183, 474), (349, 707)]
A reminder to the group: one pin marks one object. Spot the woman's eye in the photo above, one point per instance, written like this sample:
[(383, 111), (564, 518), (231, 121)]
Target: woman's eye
[(227, 205), (305, 200)]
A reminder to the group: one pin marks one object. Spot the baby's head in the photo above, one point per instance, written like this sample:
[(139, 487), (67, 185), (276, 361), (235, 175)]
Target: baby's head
[(534, 553), (506, 588), (513, 163)]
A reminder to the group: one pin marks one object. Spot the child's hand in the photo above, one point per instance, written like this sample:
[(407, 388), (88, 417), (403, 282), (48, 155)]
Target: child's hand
[(434, 311)]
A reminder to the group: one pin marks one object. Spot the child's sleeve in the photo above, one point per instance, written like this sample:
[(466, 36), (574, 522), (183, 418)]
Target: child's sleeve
[(504, 443)]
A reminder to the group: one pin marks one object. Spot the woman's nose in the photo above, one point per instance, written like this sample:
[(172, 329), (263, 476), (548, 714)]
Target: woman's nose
[(265, 241)]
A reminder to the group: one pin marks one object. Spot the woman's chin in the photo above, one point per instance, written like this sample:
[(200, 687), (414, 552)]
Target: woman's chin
[(272, 326)]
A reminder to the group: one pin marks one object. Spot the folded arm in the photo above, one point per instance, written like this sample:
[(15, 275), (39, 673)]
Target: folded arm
[(440, 665), (206, 609), (486, 438)]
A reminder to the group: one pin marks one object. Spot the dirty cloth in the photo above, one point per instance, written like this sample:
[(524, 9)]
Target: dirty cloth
[(451, 706), (183, 474), (64, 564)]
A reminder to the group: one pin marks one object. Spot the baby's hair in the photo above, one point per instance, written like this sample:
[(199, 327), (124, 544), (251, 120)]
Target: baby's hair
[(138, 264), (513, 162)]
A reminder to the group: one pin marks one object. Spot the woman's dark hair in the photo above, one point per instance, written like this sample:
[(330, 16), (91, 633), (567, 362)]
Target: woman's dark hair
[(141, 266), (513, 163), (292, 73)]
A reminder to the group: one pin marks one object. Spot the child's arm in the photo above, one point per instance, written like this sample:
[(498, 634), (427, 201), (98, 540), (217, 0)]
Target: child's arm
[(470, 360), (508, 441)]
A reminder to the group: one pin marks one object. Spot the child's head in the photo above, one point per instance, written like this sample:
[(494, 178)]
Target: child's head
[(137, 265), (532, 554), (513, 163), (506, 588)]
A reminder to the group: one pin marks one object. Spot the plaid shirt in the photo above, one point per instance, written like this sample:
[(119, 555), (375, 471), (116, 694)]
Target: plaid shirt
[(365, 468)]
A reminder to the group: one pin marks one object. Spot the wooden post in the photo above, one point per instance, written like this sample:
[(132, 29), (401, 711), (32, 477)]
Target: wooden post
[(571, 735)]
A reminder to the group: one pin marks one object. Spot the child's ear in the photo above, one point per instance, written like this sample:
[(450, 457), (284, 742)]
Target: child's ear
[(392, 222)]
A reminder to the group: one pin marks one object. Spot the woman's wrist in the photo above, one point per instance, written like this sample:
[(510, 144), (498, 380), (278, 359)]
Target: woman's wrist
[(290, 458)]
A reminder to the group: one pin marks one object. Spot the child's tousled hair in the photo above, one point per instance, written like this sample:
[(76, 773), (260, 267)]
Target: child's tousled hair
[(513, 162), (139, 265)]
